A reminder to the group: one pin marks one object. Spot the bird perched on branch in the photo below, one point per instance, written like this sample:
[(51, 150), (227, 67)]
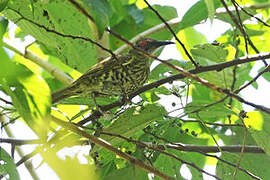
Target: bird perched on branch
[(119, 75)]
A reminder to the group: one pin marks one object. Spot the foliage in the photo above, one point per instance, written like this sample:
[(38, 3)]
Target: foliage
[(171, 111)]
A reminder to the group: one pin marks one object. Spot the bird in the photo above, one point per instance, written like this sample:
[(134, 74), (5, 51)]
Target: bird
[(116, 76)]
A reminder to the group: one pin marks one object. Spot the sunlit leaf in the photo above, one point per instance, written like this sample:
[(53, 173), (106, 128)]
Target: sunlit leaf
[(133, 120), (260, 129)]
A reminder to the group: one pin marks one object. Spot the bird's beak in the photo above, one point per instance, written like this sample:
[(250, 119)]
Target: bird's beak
[(163, 43)]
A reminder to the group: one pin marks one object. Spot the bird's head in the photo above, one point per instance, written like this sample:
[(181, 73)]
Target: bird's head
[(149, 45)]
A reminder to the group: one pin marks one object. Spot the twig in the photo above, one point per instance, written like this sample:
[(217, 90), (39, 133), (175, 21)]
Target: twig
[(267, 69), (171, 30), (114, 150), (96, 114), (160, 150), (245, 11), (57, 73), (28, 165), (18, 142), (241, 29)]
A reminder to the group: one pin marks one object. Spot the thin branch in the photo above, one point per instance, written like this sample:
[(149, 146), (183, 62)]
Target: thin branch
[(245, 11), (57, 73), (209, 123), (28, 165), (96, 114), (242, 149), (238, 25), (267, 69), (233, 165), (114, 150), (160, 150), (18, 142), (213, 149), (171, 30)]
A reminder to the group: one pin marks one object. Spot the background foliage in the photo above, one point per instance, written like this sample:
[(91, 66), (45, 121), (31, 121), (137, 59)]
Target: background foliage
[(163, 136)]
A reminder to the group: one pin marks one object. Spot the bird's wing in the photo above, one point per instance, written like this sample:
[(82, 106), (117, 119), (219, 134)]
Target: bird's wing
[(107, 65)]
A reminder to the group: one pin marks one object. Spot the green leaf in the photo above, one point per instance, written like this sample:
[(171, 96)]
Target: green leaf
[(162, 71), (30, 94), (131, 172), (100, 11), (210, 52), (259, 124), (189, 37), (3, 26), (203, 96), (224, 16), (254, 163), (210, 8), (265, 75), (62, 18), (3, 4), (135, 13), (133, 120), (196, 14), (8, 166)]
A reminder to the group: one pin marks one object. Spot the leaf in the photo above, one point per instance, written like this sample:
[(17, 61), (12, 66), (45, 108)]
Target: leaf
[(265, 75), (3, 27), (254, 163), (203, 96), (3, 4), (210, 8), (30, 94), (130, 171), (7, 165), (100, 11), (63, 18), (162, 71), (224, 16), (189, 37), (135, 13), (259, 124), (210, 52), (132, 121), (196, 14), (70, 168)]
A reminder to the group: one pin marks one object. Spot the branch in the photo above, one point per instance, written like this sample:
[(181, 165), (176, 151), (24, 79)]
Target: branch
[(114, 150), (154, 147), (18, 142), (57, 73), (171, 30), (96, 114), (212, 149), (28, 165), (242, 30)]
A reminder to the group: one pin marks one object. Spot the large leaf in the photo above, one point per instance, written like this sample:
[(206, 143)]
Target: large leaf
[(3, 4), (30, 94), (196, 14), (49, 22), (260, 129), (255, 163), (133, 120), (100, 11)]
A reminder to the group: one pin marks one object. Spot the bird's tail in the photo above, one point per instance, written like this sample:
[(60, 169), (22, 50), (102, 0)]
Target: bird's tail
[(63, 93)]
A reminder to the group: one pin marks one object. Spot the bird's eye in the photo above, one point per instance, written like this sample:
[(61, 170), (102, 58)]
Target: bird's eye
[(143, 43)]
